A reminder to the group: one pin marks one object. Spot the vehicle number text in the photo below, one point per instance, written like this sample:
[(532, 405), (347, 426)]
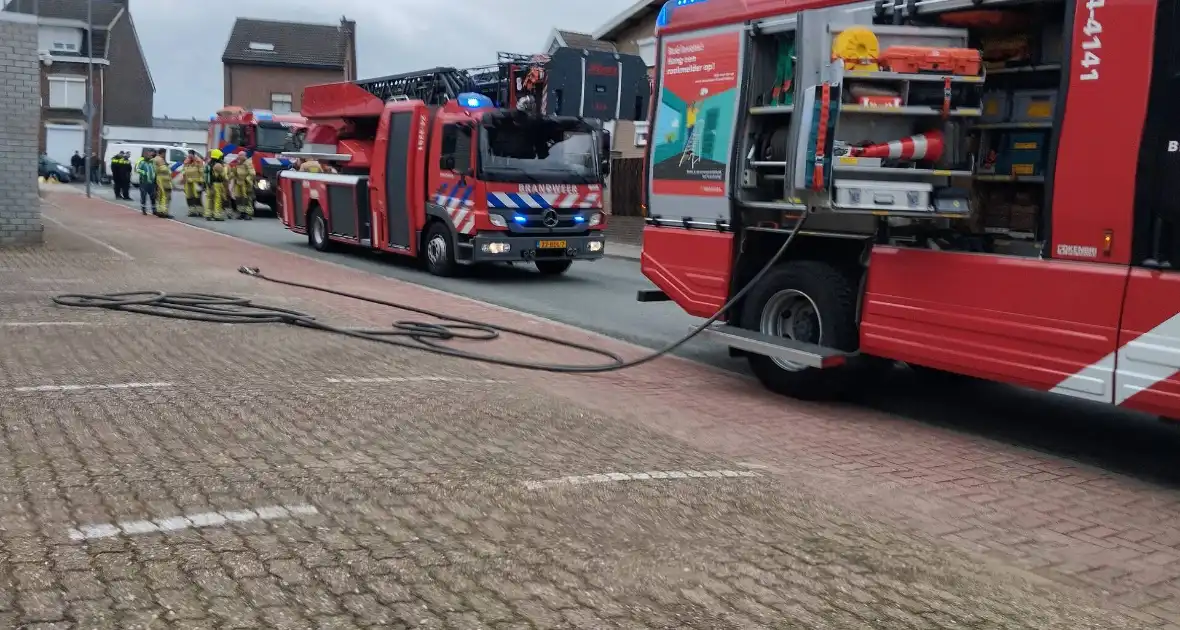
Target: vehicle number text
[(1091, 44)]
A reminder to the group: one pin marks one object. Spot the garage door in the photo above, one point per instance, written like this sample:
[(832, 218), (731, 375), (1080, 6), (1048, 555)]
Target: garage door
[(62, 140)]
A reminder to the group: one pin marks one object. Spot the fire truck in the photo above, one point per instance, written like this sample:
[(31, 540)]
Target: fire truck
[(463, 167), (986, 188), (261, 136)]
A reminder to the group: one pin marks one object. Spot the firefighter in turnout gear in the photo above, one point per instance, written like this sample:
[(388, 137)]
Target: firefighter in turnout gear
[(215, 176), (163, 184), (194, 174), (241, 177)]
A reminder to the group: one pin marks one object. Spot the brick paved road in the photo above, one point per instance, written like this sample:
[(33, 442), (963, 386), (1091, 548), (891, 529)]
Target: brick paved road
[(407, 501)]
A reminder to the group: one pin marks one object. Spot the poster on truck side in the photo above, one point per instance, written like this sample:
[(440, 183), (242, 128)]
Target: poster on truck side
[(695, 115)]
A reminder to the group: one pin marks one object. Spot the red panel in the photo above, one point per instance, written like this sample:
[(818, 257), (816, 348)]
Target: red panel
[(340, 100), (1094, 186), (691, 266), (1147, 371), (1004, 318), (360, 151)]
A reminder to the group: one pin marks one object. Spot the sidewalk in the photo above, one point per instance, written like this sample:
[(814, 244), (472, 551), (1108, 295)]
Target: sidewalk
[(155, 470)]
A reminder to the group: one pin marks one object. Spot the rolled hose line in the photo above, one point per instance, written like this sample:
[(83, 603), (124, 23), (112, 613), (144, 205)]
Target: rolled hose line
[(424, 336)]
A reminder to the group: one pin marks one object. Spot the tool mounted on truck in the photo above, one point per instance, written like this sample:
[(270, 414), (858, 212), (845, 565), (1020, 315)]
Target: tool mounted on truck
[(429, 165), (982, 187)]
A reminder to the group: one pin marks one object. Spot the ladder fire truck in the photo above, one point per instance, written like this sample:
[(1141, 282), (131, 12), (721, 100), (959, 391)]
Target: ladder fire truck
[(462, 167), (982, 187)]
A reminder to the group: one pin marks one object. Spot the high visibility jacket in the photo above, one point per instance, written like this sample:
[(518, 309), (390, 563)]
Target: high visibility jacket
[(243, 171), (311, 166), (193, 170), (146, 170), (215, 172)]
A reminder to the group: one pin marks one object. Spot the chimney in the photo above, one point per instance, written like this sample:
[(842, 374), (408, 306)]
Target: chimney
[(348, 40)]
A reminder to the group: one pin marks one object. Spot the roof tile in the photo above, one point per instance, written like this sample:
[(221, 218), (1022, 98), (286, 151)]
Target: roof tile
[(295, 43)]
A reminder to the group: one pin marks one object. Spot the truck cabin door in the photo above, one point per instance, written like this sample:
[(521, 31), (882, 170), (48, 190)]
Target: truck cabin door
[(398, 202), (1148, 359), (453, 196)]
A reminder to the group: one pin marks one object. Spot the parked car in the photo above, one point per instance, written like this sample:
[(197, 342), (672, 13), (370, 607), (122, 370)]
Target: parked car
[(50, 168)]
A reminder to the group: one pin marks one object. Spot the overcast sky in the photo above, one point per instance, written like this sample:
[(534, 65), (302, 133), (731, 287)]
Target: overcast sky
[(183, 41)]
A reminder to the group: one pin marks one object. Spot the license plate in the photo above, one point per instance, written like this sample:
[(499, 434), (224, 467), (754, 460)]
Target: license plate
[(550, 244)]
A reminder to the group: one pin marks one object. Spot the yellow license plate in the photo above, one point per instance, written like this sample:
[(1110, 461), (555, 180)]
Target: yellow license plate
[(550, 244)]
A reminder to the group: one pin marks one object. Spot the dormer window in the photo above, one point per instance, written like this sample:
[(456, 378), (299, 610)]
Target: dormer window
[(65, 47), (261, 47)]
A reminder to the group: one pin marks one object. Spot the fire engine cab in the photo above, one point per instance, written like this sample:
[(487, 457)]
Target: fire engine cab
[(429, 165), (982, 187)]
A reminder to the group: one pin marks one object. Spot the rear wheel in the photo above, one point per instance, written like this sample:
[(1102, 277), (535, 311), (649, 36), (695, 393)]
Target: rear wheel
[(439, 251), (317, 231), (54, 177), (809, 302), (553, 267)]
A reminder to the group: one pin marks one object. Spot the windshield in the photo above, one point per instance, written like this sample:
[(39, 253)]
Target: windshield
[(544, 149), (272, 138)]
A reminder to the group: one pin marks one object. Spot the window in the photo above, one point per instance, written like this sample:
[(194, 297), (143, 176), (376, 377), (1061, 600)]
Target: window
[(65, 47), (176, 155), (456, 143), (261, 47), (67, 92), (641, 133), (647, 50), (280, 103)]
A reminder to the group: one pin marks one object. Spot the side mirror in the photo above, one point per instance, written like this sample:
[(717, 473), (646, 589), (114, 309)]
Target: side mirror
[(447, 162), (605, 168)]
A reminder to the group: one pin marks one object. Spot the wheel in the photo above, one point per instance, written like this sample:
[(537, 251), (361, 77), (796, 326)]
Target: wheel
[(811, 302), (317, 231), (440, 251), (553, 267), (54, 177)]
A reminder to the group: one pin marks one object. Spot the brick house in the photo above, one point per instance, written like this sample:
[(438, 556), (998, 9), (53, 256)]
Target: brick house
[(123, 86), (267, 64)]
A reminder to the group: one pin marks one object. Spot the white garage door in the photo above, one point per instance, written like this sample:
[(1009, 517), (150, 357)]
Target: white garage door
[(62, 140)]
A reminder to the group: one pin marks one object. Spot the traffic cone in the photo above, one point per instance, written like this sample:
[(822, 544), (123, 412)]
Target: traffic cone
[(924, 147)]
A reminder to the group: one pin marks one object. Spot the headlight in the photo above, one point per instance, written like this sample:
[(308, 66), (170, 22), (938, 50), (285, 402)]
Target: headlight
[(595, 219), (497, 220), (263, 184), (594, 246)]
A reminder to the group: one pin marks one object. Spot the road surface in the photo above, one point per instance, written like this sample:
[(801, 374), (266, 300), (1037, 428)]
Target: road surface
[(600, 296)]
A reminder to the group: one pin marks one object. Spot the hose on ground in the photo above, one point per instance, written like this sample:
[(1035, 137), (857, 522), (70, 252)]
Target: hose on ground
[(416, 335)]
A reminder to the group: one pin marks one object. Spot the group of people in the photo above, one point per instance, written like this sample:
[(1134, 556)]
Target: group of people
[(78, 164), (221, 182)]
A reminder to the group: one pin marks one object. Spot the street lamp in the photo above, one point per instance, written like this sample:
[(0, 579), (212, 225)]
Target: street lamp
[(88, 111)]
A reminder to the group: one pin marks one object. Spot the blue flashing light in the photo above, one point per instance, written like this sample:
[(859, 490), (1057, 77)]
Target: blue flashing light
[(520, 219), (666, 11), (579, 219), (472, 100)]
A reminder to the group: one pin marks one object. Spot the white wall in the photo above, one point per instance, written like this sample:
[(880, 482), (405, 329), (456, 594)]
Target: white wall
[(196, 138), (59, 39)]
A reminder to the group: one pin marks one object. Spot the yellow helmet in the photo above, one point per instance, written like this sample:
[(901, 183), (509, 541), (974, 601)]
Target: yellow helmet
[(215, 154)]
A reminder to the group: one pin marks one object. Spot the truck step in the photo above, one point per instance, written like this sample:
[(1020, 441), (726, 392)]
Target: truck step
[(755, 342), (651, 295)]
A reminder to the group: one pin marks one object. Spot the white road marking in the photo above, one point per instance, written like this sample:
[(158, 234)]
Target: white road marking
[(88, 237), (78, 388), (412, 379), (753, 465), (188, 521), (636, 476), (35, 324)]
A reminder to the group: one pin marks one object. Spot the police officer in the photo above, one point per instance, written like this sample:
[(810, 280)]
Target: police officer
[(193, 170), (215, 176), (121, 175), (163, 184), (241, 174)]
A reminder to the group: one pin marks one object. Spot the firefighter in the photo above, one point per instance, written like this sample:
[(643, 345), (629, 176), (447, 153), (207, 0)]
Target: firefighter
[(163, 184), (215, 176), (310, 165), (194, 172), (241, 177)]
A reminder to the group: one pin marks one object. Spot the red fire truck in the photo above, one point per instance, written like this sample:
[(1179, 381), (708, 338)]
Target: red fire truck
[(261, 136), (982, 187), (429, 166)]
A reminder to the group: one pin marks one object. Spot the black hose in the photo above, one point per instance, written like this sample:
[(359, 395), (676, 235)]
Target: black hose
[(407, 334)]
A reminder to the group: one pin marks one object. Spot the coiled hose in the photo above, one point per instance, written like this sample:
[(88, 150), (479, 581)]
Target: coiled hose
[(425, 336)]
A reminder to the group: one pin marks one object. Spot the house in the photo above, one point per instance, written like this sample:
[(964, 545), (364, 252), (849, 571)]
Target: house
[(632, 32), (267, 63), (572, 39), (123, 86)]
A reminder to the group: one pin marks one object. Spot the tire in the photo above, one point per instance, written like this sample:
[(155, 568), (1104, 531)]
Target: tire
[(438, 251), (54, 177), (317, 231), (825, 299), (553, 267)]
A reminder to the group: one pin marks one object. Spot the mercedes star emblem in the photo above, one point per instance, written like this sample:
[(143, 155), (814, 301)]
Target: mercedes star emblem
[(549, 218)]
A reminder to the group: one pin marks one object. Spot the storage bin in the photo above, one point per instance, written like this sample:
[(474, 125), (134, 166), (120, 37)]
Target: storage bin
[(878, 195), (1022, 153), (1033, 105), (996, 107)]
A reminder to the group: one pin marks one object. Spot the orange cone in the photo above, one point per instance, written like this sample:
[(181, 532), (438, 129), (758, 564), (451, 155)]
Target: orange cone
[(924, 147)]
